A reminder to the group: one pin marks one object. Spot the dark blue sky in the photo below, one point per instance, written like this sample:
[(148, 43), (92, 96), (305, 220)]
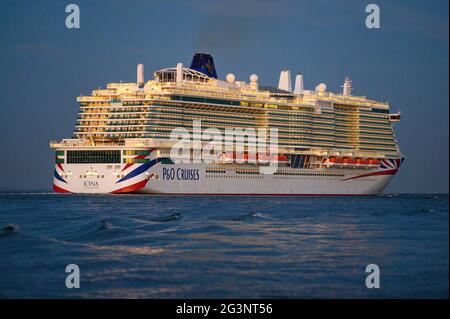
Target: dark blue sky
[(44, 65)]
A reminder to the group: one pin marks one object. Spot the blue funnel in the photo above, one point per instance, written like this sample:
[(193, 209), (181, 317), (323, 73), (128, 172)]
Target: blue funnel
[(204, 63)]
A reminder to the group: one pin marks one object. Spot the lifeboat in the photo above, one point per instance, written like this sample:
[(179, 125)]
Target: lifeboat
[(262, 157), (265, 158), (361, 161), (230, 155), (253, 156), (234, 155), (349, 161), (282, 158), (374, 162)]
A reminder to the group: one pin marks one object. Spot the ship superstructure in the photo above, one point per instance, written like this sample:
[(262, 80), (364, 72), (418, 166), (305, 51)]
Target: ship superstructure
[(328, 144)]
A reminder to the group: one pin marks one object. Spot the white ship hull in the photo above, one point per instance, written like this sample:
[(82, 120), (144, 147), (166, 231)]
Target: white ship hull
[(229, 179)]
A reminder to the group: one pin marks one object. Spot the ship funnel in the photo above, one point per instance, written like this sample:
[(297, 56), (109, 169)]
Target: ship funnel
[(140, 75), (204, 63), (179, 73), (347, 87), (298, 84), (285, 81)]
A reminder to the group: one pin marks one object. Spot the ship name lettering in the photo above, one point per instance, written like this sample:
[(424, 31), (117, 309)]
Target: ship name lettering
[(181, 174)]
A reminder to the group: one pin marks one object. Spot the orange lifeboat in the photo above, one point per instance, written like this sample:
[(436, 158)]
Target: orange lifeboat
[(234, 155), (361, 161), (252, 156), (229, 154), (347, 160), (265, 157), (262, 157), (374, 162)]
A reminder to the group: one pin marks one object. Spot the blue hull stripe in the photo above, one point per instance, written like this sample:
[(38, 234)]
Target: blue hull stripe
[(140, 169), (58, 177)]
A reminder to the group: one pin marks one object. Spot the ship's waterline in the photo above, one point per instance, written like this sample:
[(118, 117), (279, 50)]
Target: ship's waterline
[(165, 136)]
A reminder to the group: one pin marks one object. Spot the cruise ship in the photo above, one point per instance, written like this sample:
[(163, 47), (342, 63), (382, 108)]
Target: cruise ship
[(165, 136)]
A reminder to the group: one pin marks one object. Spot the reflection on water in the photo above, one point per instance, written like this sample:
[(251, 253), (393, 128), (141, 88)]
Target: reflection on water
[(135, 246)]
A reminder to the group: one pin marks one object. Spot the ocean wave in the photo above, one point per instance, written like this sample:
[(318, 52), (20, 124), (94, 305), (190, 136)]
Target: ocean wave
[(421, 212), (105, 225), (249, 216), (169, 218), (8, 229)]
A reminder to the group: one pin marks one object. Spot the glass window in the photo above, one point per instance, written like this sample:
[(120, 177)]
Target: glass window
[(91, 157)]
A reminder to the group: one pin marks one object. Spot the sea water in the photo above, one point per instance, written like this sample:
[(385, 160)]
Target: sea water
[(141, 246)]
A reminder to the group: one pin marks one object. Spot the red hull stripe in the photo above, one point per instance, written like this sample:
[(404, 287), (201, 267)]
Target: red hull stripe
[(126, 166), (385, 172), (59, 189), (60, 167), (131, 188)]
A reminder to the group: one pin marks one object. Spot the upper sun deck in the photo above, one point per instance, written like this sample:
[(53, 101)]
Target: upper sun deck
[(185, 81)]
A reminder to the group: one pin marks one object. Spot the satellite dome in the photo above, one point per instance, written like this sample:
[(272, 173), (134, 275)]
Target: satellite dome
[(322, 87), (253, 78), (230, 78)]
